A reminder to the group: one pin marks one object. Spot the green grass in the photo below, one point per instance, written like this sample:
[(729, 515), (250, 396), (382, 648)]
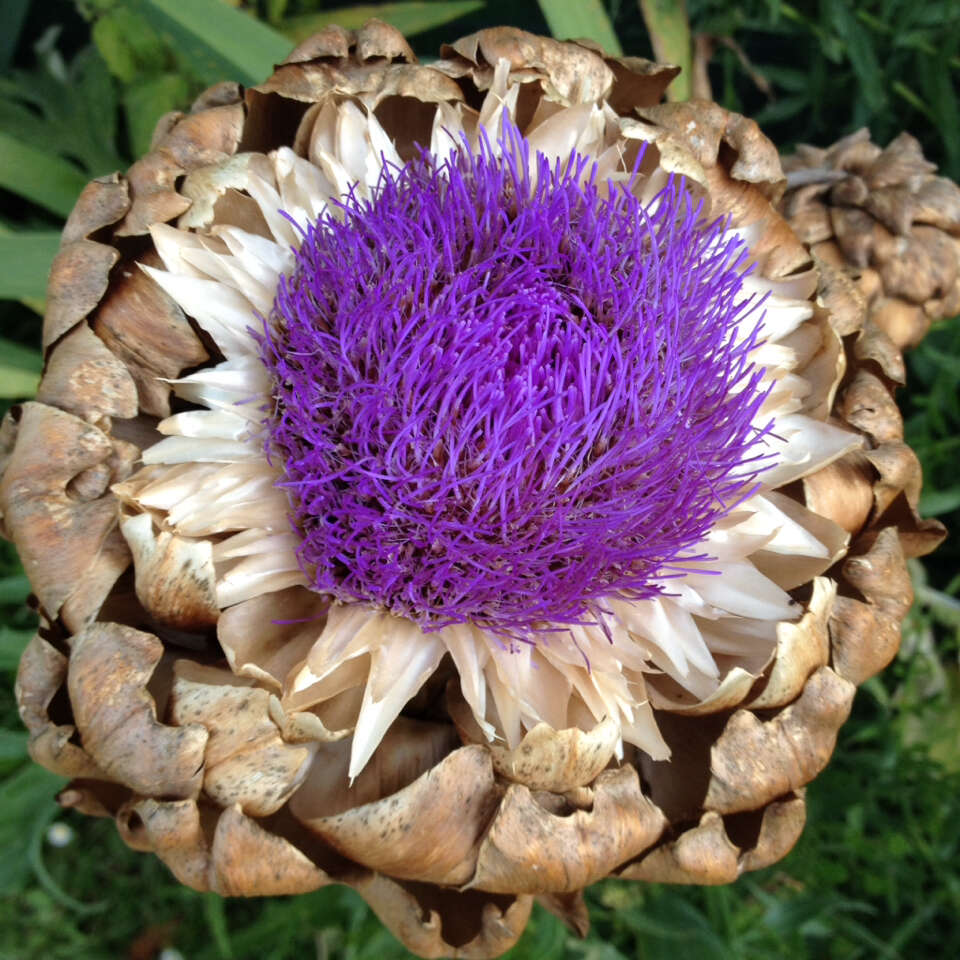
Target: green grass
[(877, 871)]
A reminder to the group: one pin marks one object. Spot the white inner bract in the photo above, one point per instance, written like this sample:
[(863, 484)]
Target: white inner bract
[(699, 646)]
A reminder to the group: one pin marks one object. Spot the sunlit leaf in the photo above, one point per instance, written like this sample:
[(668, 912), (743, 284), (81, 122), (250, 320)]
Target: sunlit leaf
[(669, 31), (38, 176), (220, 42), (409, 18), (147, 101), (17, 384), (585, 19), (26, 259)]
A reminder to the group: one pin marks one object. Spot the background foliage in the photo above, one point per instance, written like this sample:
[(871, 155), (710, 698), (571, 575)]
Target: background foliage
[(877, 873)]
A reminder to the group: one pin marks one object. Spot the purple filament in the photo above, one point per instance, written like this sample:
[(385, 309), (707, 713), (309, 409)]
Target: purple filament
[(502, 397)]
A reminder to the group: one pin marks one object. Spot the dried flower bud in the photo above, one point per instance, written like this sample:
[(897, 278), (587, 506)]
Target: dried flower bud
[(886, 215)]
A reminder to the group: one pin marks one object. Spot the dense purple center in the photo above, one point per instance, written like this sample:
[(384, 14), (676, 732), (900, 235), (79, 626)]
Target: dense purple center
[(501, 398)]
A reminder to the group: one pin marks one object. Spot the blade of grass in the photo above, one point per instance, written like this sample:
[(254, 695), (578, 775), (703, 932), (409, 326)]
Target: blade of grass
[(669, 30), (218, 41), (18, 357), (12, 645), (14, 588), (933, 503), (216, 916), (26, 259), (13, 749), (17, 384), (586, 20), (26, 799), (56, 892), (862, 57), (40, 177), (408, 18)]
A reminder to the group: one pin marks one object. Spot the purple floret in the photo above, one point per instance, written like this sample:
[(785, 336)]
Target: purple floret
[(502, 398)]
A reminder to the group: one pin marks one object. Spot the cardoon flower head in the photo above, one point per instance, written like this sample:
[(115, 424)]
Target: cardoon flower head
[(503, 393), (462, 524)]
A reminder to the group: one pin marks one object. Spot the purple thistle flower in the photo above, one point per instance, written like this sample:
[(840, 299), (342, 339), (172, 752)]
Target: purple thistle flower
[(501, 398)]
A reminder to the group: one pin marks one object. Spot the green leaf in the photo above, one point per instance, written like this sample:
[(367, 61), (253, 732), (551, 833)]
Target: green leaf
[(669, 31), (585, 20), (933, 503), (68, 111), (216, 917), (12, 15), (791, 79), (18, 357), (131, 48), (38, 176), (145, 102), (13, 749), (17, 384), (781, 109), (408, 18), (219, 42), (16, 588), (26, 799), (276, 9), (12, 644), (26, 259), (862, 56), (110, 38)]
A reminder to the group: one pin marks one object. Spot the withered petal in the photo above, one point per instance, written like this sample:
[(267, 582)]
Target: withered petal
[(94, 798), (260, 644), (248, 861), (802, 647), (570, 73), (528, 849), (545, 759), (842, 491), (867, 404), (780, 828), (78, 280), (174, 576), (41, 674), (57, 531), (900, 160), (434, 922), (175, 831), (755, 760), (865, 635), (702, 855), (83, 377), (143, 326), (452, 803), (637, 82), (110, 665), (571, 908), (246, 762), (101, 203)]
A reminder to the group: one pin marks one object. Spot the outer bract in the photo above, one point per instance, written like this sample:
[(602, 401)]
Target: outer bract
[(452, 757)]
